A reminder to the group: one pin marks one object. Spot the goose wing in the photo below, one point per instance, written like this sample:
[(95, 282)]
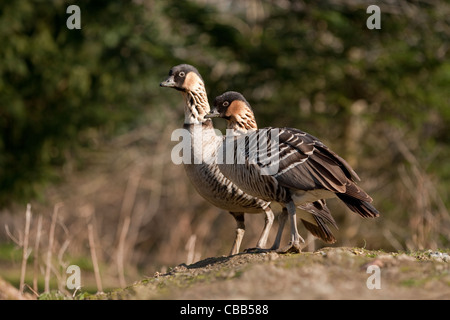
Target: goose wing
[(305, 163)]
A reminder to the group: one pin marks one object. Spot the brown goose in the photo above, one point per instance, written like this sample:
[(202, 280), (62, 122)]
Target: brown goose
[(206, 177), (307, 170), (315, 216)]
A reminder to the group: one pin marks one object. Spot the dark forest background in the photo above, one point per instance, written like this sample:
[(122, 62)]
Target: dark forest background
[(85, 128)]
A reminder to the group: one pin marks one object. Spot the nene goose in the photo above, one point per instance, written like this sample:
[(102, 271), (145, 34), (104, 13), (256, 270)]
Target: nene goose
[(207, 179), (307, 170)]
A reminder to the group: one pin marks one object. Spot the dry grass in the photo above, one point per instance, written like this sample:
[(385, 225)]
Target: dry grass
[(131, 212)]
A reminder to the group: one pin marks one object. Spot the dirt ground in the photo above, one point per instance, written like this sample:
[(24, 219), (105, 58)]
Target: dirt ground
[(331, 273)]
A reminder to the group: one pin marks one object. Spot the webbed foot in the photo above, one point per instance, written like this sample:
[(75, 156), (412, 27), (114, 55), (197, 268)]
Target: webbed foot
[(290, 248)]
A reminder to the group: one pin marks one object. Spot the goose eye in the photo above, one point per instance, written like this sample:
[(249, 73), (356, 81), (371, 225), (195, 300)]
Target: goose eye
[(181, 74), (226, 104)]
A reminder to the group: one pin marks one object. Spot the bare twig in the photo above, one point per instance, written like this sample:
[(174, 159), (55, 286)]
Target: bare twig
[(190, 248), (11, 236), (62, 278), (36, 254), (126, 211), (94, 258), (51, 238), (121, 251), (32, 290), (311, 242), (25, 248)]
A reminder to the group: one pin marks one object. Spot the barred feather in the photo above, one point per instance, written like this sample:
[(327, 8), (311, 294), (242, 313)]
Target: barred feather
[(304, 164)]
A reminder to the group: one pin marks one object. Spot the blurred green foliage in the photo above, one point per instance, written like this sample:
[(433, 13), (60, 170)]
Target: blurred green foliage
[(301, 65), (56, 83)]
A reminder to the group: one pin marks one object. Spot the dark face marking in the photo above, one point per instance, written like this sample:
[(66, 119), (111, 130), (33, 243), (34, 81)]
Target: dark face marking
[(182, 77), (230, 103)]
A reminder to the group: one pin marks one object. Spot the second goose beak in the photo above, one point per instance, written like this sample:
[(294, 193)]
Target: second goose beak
[(213, 114)]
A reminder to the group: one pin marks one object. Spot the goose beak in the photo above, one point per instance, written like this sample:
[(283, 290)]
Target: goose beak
[(168, 83), (213, 114)]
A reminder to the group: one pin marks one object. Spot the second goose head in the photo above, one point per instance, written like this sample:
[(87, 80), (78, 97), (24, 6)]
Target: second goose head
[(233, 107)]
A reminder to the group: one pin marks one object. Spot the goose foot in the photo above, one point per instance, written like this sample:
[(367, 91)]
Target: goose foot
[(290, 248)]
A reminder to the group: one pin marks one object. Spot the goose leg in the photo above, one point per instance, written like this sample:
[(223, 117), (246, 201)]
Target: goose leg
[(240, 230), (296, 239), (281, 222), (268, 221)]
